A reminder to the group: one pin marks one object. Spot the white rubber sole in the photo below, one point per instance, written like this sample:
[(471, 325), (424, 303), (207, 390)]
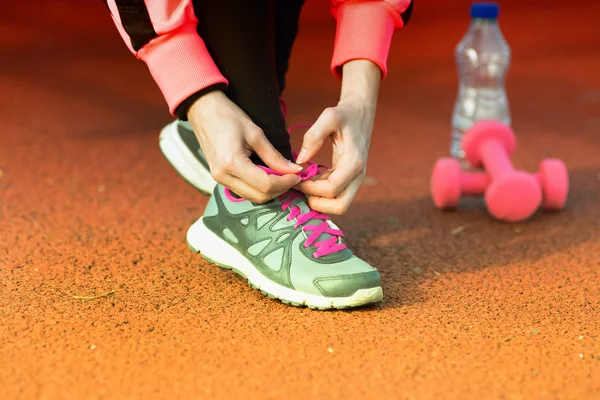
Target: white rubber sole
[(214, 249), (184, 162)]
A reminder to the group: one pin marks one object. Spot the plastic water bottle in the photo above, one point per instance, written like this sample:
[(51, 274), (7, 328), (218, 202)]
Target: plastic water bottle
[(482, 59)]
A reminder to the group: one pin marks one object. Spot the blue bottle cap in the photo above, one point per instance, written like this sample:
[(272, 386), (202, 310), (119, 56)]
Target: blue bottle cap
[(485, 10)]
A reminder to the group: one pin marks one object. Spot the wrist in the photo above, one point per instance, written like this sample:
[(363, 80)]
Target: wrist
[(360, 82), (206, 105), (184, 108)]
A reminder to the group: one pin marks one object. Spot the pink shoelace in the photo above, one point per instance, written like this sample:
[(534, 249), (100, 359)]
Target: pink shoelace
[(324, 247)]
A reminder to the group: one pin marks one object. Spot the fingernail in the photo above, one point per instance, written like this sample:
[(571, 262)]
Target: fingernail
[(295, 166), (301, 156)]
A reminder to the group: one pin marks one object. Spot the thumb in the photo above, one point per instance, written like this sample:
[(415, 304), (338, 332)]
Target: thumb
[(326, 124), (272, 157)]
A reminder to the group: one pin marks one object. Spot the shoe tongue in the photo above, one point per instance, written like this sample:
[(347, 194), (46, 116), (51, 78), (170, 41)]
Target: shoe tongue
[(301, 203)]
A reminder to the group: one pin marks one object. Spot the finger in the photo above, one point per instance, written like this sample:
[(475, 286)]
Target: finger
[(348, 168), (262, 181), (340, 204), (241, 188), (269, 154), (225, 175), (244, 190), (325, 125), (324, 175), (335, 156)]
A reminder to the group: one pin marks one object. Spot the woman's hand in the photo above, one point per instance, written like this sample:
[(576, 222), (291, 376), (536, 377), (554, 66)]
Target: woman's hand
[(349, 125), (228, 138)]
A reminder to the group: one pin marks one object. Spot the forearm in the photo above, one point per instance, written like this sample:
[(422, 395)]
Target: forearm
[(360, 82)]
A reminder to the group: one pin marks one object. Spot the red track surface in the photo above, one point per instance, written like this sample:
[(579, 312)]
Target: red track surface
[(89, 206)]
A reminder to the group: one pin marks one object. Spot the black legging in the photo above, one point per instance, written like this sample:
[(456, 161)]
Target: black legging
[(251, 43)]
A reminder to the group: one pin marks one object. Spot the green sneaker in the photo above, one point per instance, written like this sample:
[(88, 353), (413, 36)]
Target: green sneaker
[(284, 249)]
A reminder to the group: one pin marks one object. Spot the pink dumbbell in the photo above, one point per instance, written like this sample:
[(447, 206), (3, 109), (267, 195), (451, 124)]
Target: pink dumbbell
[(511, 195), (449, 183)]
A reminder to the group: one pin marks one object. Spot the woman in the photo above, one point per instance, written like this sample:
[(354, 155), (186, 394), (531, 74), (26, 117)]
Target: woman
[(221, 66)]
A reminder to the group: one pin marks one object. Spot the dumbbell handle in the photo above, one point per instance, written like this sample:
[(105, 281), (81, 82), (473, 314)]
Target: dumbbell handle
[(474, 183), (495, 159)]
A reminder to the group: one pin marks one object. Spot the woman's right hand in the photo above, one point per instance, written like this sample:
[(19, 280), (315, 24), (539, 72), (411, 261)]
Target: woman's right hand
[(228, 138)]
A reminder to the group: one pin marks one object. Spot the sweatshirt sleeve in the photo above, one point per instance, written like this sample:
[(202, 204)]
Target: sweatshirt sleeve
[(365, 29), (162, 33)]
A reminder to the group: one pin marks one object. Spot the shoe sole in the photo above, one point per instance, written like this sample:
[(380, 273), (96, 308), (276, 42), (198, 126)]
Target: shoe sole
[(215, 250), (183, 161)]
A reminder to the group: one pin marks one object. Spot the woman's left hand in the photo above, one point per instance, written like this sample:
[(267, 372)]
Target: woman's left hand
[(349, 125)]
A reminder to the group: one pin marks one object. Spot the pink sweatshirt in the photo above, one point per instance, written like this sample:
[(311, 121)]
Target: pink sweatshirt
[(166, 39)]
